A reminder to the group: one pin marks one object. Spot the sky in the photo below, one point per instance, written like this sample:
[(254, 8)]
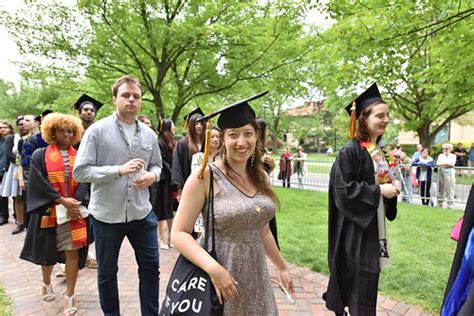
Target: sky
[(9, 50)]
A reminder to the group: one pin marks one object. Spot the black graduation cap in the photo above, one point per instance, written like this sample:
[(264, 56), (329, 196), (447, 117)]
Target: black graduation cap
[(235, 115), (43, 115), (354, 109), (85, 99), (368, 97), (188, 116)]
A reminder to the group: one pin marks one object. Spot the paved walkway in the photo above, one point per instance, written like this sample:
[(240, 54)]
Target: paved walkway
[(22, 280)]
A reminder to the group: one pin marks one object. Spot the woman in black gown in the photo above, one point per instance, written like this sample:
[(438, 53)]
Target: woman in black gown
[(362, 193)]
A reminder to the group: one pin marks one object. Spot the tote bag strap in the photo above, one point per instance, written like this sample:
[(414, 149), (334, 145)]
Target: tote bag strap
[(210, 213)]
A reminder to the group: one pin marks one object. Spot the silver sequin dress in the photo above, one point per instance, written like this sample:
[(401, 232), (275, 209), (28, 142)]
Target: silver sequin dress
[(238, 220)]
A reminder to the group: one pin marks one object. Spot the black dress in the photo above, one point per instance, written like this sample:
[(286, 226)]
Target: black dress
[(40, 245), (353, 254), (181, 166), (162, 193)]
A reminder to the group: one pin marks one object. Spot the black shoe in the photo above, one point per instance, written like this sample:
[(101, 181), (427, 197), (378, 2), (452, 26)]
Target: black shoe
[(18, 229), (3, 220)]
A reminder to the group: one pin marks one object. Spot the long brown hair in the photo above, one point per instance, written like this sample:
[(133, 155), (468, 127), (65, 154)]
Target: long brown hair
[(255, 172), (362, 131), (193, 138), (166, 134)]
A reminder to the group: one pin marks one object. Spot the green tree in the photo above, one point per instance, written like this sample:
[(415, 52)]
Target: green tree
[(418, 52), (184, 52), (28, 99)]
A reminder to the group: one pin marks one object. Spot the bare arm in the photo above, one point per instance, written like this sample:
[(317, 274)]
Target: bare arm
[(192, 201)]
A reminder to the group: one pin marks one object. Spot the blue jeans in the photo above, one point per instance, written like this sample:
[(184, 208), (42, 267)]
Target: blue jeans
[(143, 238)]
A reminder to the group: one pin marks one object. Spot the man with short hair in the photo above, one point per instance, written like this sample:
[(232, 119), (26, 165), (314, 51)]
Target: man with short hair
[(461, 154), (120, 157)]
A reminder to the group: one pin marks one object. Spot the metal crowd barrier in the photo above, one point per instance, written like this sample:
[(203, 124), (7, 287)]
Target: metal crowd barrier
[(317, 178)]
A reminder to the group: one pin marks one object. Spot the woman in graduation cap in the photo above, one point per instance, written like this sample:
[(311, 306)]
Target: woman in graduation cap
[(244, 203), (362, 193), (186, 148)]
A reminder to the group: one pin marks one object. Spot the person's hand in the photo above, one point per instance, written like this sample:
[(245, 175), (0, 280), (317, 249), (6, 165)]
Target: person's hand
[(224, 283), (145, 181), (270, 162), (388, 190), (73, 214), (70, 203), (178, 195), (285, 279), (131, 166)]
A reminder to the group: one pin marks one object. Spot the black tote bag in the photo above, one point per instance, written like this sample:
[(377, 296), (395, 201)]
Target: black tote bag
[(190, 290)]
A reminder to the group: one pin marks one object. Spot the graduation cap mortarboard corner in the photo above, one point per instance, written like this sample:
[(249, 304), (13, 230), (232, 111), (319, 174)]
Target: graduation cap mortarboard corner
[(85, 99), (235, 115), (354, 109), (188, 116)]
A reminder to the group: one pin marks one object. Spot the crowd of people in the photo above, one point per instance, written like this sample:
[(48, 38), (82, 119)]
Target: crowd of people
[(433, 179), (79, 184)]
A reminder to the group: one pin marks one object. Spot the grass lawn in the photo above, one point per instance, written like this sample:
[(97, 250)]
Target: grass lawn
[(5, 303), (421, 250), (466, 179)]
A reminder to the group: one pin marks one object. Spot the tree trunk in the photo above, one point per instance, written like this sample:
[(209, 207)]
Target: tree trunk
[(426, 138), (158, 101)]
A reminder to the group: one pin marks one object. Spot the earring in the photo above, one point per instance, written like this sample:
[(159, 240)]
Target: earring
[(252, 159), (223, 157)]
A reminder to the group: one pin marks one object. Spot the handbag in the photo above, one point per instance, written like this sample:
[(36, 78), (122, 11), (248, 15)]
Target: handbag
[(61, 213), (190, 290), (456, 231)]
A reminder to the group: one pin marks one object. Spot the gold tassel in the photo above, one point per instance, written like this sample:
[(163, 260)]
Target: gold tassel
[(207, 149), (73, 110), (186, 123), (353, 121), (160, 125)]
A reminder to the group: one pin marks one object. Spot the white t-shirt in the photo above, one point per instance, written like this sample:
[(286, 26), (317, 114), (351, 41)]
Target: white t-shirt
[(129, 131)]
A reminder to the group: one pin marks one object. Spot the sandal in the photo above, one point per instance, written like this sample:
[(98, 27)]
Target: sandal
[(49, 295), (91, 263), (70, 309)]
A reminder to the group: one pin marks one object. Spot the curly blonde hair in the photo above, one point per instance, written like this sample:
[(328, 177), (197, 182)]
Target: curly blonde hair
[(56, 120)]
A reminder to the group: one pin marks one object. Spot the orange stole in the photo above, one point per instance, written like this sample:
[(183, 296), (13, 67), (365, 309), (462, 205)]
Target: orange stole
[(56, 177)]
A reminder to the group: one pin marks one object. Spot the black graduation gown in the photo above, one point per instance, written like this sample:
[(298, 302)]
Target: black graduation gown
[(40, 245), (353, 253), (181, 168), (161, 192), (468, 223)]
